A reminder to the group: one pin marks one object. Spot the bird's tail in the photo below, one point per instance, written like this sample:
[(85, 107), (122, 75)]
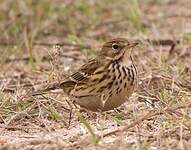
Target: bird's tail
[(66, 85), (45, 88)]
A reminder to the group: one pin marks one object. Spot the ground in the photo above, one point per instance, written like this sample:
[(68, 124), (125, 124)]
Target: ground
[(41, 42)]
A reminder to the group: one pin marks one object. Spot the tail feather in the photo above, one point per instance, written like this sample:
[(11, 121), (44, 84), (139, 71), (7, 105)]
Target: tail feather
[(45, 88), (67, 86)]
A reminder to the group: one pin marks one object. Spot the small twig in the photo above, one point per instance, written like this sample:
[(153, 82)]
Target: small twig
[(124, 128), (163, 42), (53, 99), (7, 43), (44, 58), (146, 117), (172, 48), (44, 90), (18, 127), (62, 44)]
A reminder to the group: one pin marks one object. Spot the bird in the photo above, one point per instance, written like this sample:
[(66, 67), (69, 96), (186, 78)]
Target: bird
[(107, 81)]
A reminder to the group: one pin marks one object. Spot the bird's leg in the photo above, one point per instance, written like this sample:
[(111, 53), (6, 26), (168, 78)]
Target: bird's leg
[(71, 111)]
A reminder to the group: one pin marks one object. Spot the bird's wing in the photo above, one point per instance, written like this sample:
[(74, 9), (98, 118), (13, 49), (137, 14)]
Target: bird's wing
[(80, 76), (85, 71)]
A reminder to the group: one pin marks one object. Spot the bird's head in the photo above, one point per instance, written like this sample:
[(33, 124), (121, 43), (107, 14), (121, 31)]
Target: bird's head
[(117, 49)]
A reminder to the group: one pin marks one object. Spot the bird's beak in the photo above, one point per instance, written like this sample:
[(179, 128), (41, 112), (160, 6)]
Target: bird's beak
[(133, 44)]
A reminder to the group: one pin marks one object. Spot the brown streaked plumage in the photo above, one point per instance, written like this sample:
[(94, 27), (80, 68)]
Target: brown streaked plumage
[(105, 82)]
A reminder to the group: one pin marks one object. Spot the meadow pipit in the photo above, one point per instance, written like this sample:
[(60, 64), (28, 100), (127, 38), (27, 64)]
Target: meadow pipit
[(105, 82)]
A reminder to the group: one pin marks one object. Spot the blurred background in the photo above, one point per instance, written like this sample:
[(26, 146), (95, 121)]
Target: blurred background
[(42, 41), (29, 28)]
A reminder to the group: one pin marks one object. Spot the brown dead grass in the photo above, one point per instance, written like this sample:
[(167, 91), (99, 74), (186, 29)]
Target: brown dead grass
[(157, 116)]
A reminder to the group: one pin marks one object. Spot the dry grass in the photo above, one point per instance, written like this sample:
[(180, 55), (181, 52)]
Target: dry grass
[(157, 116)]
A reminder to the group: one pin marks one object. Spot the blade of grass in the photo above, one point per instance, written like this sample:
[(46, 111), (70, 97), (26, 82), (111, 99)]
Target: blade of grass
[(88, 127)]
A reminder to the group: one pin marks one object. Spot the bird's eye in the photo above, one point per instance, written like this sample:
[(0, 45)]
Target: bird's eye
[(115, 46)]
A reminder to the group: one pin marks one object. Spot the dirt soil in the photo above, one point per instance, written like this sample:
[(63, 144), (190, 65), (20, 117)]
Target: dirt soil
[(41, 42)]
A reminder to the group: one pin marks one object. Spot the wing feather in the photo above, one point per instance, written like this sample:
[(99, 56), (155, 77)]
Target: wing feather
[(80, 76)]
